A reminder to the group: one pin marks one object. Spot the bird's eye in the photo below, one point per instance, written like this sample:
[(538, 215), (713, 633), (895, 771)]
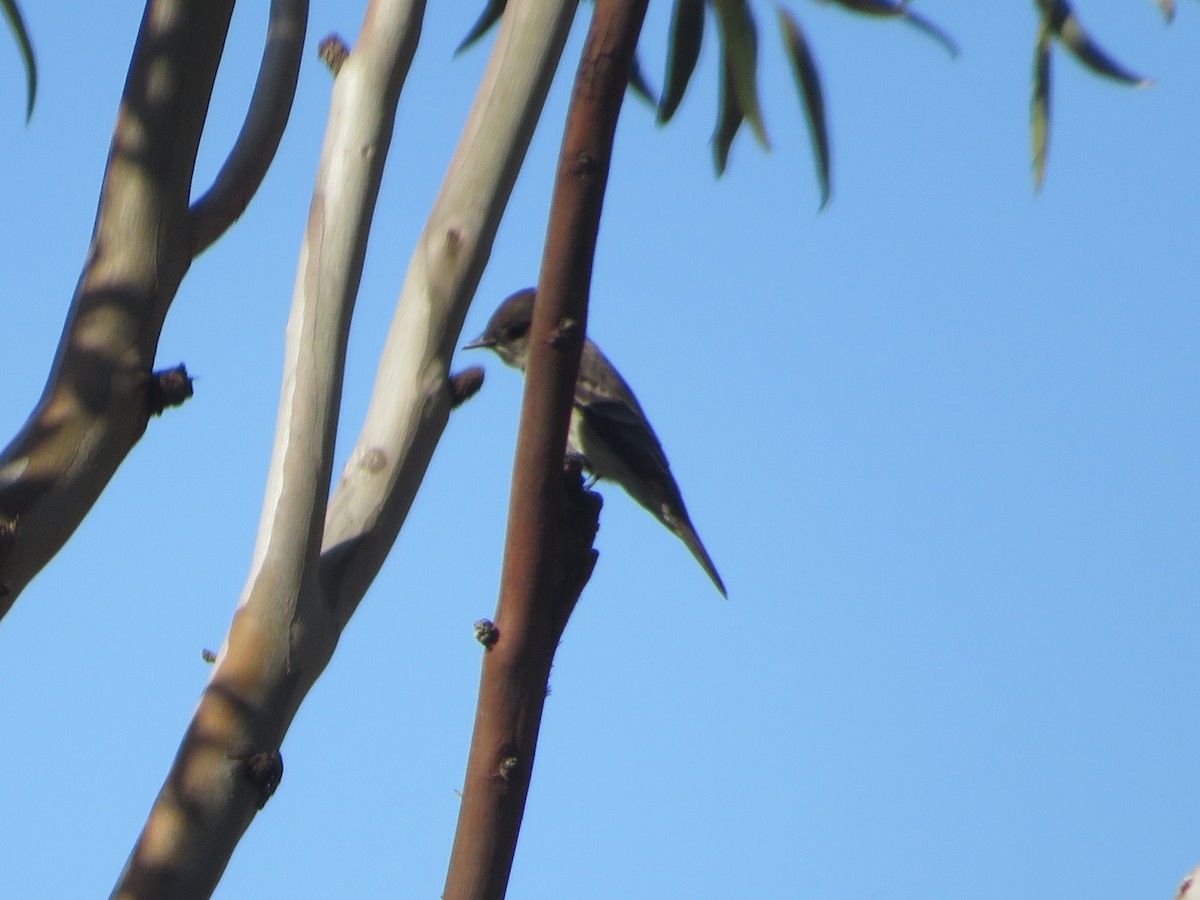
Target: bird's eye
[(518, 331)]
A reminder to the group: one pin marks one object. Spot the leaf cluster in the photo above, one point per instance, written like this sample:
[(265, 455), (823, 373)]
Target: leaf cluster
[(1059, 23), (738, 95)]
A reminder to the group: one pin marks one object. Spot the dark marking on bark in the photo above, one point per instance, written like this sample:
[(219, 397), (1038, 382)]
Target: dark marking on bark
[(585, 165)]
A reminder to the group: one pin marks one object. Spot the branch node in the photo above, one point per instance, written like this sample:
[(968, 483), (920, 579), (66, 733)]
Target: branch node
[(585, 165), (168, 387), (506, 767), (8, 534), (333, 52), (487, 633), (464, 385), (373, 460), (263, 768), (454, 242)]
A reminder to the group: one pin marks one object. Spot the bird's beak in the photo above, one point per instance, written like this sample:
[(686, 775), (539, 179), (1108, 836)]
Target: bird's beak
[(480, 342)]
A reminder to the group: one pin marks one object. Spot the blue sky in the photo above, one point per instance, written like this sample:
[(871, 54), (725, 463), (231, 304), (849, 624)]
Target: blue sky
[(941, 441)]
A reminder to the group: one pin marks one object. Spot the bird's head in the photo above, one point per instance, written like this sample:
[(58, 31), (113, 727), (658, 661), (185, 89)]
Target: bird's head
[(507, 332)]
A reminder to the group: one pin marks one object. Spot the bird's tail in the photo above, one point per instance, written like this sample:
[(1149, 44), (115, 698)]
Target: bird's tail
[(683, 529)]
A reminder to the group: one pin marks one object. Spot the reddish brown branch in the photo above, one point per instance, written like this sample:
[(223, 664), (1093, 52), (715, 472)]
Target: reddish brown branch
[(544, 568)]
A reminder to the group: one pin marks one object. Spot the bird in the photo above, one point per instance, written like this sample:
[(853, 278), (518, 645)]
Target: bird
[(609, 433)]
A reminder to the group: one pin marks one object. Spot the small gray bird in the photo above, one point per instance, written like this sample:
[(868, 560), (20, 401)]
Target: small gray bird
[(609, 433)]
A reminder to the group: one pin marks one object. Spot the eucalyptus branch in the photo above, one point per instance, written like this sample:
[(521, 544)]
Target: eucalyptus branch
[(281, 636), (255, 146), (292, 612), (412, 398), (96, 402), (540, 581)]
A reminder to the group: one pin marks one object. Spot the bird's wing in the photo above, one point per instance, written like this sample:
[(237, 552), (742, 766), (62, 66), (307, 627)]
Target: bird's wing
[(626, 433), (609, 406), (624, 429)]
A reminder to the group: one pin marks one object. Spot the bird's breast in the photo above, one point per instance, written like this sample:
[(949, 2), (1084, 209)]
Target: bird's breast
[(598, 457)]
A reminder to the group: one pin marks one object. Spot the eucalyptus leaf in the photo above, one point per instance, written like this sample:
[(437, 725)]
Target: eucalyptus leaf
[(900, 9), (16, 24), (808, 80), (1061, 18), (1040, 107), (729, 118), (683, 50), (490, 16), (639, 85), (879, 8), (923, 24), (739, 51)]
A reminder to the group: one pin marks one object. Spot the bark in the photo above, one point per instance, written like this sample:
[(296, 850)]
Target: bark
[(542, 562), (270, 107), (311, 566), (410, 403), (101, 390), (229, 762)]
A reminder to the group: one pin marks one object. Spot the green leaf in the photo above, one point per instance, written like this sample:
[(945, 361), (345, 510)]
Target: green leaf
[(739, 51), (923, 24), (639, 85), (683, 50), (1040, 108), (1062, 20), (900, 9), (729, 118), (16, 23), (490, 16), (808, 80), (879, 8)]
